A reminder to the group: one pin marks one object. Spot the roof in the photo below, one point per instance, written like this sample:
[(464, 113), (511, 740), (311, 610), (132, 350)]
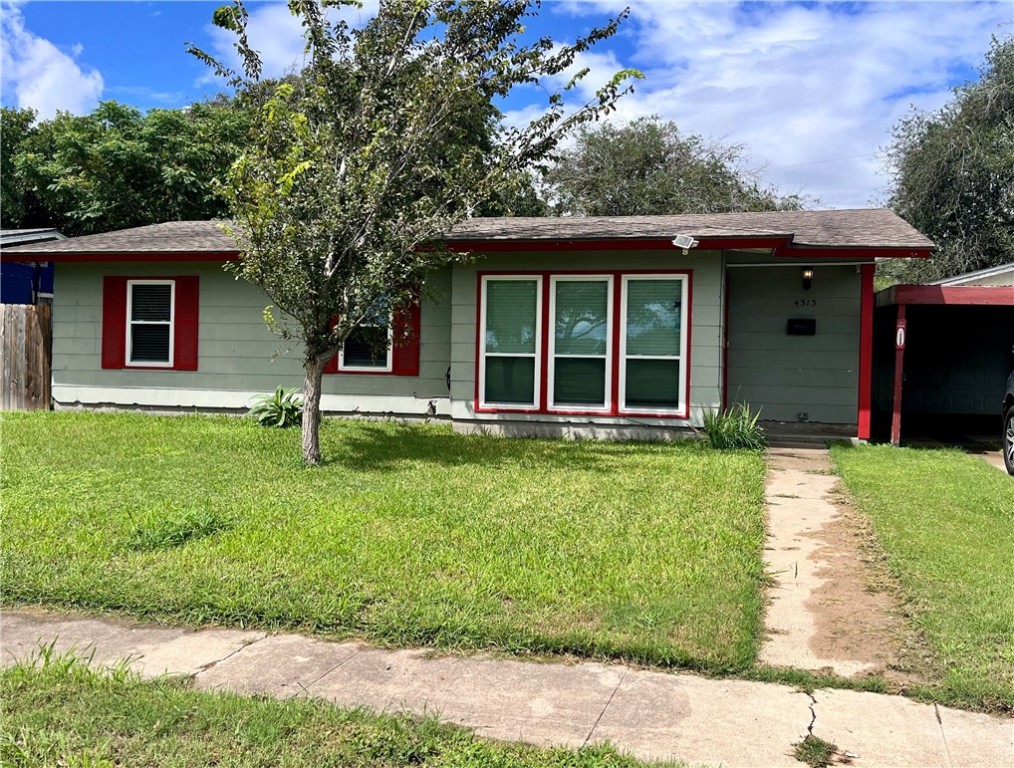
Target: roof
[(796, 231), (963, 295), (39, 234), (170, 237), (989, 275), (856, 228)]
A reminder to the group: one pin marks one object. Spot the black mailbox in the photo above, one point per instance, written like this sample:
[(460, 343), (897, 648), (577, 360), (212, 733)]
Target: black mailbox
[(802, 326)]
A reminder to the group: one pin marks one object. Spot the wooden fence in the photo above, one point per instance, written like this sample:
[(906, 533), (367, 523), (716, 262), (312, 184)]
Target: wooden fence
[(26, 347)]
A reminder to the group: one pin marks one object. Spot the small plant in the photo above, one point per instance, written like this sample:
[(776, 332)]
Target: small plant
[(176, 529), (815, 752), (735, 427), (282, 409)]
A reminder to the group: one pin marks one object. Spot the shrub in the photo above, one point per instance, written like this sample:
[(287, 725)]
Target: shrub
[(282, 409), (735, 427)]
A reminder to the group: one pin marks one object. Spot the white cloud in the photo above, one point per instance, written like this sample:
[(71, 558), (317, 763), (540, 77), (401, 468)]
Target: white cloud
[(811, 90), (277, 36), (40, 75)]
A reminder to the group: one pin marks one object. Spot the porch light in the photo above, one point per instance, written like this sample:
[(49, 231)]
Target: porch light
[(807, 278)]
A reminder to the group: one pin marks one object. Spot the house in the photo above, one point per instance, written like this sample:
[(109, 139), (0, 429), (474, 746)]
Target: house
[(943, 354), (28, 282), (572, 326)]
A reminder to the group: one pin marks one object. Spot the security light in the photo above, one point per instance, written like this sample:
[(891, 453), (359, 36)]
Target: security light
[(686, 242)]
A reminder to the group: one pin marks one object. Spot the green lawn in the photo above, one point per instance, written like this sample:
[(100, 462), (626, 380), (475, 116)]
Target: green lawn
[(946, 522), (408, 535), (65, 714)]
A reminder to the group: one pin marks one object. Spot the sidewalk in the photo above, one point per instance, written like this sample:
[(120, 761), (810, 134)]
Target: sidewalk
[(653, 715)]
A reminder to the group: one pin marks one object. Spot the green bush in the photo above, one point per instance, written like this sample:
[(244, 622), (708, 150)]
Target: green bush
[(282, 409), (735, 427)]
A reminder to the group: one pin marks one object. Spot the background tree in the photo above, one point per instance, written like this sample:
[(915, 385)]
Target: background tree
[(117, 167), (352, 175), (954, 174), (16, 130), (647, 167)]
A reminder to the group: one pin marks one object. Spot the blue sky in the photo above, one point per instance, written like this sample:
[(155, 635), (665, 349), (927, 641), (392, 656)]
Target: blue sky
[(811, 89)]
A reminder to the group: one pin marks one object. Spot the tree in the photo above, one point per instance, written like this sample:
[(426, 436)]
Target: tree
[(117, 167), (353, 174), (954, 174), (648, 167), (16, 130)]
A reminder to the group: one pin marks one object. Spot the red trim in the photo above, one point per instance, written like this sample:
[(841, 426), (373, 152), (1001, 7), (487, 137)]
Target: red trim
[(615, 411), (186, 322), (405, 352), (186, 312), (865, 350), (155, 257), (114, 322), (967, 295), (544, 377), (899, 374)]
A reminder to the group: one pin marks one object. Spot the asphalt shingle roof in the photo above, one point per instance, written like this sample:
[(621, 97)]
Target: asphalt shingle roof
[(861, 228)]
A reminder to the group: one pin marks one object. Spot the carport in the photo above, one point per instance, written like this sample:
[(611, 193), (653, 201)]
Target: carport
[(942, 355)]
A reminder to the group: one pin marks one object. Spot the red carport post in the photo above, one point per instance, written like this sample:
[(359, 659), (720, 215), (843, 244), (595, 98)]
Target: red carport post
[(899, 372)]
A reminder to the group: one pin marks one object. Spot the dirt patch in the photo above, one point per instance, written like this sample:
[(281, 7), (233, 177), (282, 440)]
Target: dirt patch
[(859, 609)]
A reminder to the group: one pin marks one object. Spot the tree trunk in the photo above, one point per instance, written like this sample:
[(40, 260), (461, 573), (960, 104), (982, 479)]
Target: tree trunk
[(314, 368)]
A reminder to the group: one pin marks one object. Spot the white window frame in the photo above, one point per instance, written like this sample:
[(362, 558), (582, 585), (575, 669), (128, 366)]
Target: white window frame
[(484, 307), (388, 366), (608, 358), (681, 404), (130, 362)]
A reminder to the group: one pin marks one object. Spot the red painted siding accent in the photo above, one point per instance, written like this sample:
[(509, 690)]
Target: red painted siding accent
[(405, 355), (614, 385), (186, 321), (865, 350), (543, 401), (114, 322), (967, 295), (404, 352)]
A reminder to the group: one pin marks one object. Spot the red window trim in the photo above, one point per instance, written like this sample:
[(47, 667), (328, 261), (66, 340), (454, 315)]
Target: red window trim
[(186, 310), (404, 349), (614, 411)]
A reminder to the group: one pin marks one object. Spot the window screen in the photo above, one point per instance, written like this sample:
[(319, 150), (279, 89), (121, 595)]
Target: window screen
[(580, 342), (652, 336), (150, 327), (510, 345)]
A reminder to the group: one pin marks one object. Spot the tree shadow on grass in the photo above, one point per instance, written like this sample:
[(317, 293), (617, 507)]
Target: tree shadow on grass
[(390, 447)]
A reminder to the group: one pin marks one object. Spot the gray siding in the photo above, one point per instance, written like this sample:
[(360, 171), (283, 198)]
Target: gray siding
[(787, 375), (706, 318), (238, 356)]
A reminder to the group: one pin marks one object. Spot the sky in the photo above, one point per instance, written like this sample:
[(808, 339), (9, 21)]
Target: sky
[(809, 89)]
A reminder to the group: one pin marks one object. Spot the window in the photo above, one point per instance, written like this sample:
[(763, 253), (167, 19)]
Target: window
[(509, 369), (150, 322), (368, 348), (651, 343), (580, 341), (386, 345), (597, 358)]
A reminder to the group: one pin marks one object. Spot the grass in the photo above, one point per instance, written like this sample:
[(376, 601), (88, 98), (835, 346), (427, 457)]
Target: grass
[(946, 522), (815, 752), (62, 712), (408, 535)]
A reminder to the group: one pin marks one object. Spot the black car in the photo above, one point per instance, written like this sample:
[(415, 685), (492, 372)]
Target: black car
[(1008, 425)]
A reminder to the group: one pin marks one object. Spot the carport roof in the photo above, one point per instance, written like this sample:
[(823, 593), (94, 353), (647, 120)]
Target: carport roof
[(966, 295)]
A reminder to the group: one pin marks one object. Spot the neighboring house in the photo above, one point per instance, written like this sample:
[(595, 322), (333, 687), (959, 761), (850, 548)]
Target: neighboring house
[(575, 326), (27, 282), (951, 369)]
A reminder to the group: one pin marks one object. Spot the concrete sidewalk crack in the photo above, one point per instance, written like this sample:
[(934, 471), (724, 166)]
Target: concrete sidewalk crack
[(940, 723), (305, 688), (609, 701), (228, 656), (813, 714)]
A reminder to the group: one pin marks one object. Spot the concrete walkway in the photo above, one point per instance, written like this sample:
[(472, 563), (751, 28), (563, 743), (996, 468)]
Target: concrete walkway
[(653, 715)]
